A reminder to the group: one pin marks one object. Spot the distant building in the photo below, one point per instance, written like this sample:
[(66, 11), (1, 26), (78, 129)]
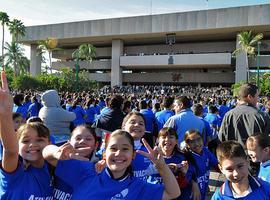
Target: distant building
[(177, 48)]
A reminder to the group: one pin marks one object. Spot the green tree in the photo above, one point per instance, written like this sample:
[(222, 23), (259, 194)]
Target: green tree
[(4, 18), (247, 45), (14, 55), (84, 52), (16, 28), (49, 45)]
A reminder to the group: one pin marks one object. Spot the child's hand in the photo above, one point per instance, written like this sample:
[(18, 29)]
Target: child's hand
[(154, 155), (173, 167), (6, 100), (67, 152), (100, 165), (184, 167)]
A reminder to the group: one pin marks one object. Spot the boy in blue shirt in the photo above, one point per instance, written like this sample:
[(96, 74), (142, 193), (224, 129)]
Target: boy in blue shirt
[(239, 184)]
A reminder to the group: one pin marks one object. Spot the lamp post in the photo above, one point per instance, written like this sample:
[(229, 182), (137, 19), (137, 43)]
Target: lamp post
[(258, 66)]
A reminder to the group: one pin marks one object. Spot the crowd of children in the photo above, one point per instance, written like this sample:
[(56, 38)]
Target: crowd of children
[(132, 165)]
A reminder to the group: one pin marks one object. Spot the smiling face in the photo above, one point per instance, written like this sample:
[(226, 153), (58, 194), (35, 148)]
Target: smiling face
[(167, 144), (31, 146), (81, 138), (235, 169), (195, 142), (119, 154), (135, 126), (256, 152)]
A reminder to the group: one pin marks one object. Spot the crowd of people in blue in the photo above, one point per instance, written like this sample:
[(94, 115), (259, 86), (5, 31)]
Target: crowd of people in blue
[(134, 142)]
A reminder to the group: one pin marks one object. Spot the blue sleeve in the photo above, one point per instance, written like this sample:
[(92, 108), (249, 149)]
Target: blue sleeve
[(191, 173), (7, 178), (153, 191), (208, 129), (217, 195), (74, 171), (213, 162)]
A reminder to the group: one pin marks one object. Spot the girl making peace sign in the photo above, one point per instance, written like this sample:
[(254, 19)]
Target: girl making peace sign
[(116, 181)]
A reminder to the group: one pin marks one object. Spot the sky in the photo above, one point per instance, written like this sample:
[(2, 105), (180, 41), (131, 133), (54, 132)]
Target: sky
[(39, 12)]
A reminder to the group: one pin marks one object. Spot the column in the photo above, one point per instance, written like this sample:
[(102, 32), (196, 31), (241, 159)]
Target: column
[(35, 61), (116, 71), (241, 66)]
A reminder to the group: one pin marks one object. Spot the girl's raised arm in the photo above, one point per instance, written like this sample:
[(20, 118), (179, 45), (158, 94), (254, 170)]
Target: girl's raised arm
[(172, 189), (53, 153), (7, 132)]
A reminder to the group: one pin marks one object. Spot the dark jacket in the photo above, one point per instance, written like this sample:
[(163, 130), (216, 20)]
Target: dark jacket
[(111, 120)]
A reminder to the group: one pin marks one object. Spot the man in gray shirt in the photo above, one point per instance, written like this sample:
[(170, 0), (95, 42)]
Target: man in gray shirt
[(245, 119)]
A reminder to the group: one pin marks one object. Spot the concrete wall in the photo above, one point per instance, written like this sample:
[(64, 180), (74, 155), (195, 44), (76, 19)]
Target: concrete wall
[(94, 65), (67, 53), (184, 48), (178, 60), (238, 17)]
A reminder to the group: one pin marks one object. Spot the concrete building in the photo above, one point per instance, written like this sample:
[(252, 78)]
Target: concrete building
[(176, 48)]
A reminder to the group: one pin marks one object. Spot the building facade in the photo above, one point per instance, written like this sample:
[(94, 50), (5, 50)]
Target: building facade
[(176, 48)]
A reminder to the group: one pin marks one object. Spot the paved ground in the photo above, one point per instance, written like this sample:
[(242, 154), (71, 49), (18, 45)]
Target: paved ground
[(216, 180)]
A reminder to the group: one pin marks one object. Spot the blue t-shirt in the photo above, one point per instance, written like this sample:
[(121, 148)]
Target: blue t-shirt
[(204, 162), (61, 190), (87, 184), (260, 191), (33, 109), (149, 119), (91, 114), (23, 110), (223, 110), (208, 132), (80, 113), (140, 165), (183, 121), (30, 184), (176, 158), (162, 117), (264, 173)]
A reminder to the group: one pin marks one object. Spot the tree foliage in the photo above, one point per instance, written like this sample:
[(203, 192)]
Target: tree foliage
[(247, 42), (63, 81), (264, 84)]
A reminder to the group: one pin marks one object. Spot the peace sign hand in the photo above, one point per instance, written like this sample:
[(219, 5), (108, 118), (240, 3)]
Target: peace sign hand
[(6, 100), (154, 155)]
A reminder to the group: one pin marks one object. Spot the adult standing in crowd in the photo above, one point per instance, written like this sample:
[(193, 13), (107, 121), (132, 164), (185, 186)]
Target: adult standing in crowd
[(166, 113), (112, 120), (184, 119), (245, 119), (55, 117)]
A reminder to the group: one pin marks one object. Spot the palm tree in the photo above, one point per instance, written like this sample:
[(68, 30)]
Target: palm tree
[(14, 54), (24, 64), (84, 52), (16, 28), (4, 18), (247, 45), (48, 45)]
